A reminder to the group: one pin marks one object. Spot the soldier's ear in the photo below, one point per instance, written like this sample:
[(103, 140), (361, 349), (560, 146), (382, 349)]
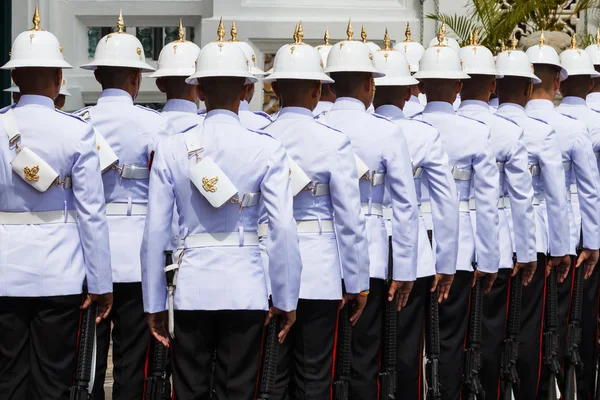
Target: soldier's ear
[(493, 86), (275, 87), (160, 84)]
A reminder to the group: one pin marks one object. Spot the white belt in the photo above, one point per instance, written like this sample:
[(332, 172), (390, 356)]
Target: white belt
[(314, 226), (376, 178), (219, 239), (425, 207), (573, 188), (376, 209), (387, 213), (132, 172), (568, 194), (37, 218), (566, 165), (537, 198), (503, 202), (466, 206), (126, 209), (318, 189), (462, 174)]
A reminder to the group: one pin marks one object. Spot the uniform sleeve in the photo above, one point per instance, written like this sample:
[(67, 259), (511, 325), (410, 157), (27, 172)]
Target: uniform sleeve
[(161, 200), (553, 175), (405, 208), (88, 191), (585, 169), (444, 206), (486, 193), (163, 130), (520, 192), (285, 263), (349, 220)]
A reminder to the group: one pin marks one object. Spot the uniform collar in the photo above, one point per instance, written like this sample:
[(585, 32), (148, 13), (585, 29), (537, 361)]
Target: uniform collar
[(390, 111), (573, 101), (593, 96), (475, 105), (348, 103), (244, 105), (439, 107), (539, 104), (324, 102), (495, 102), (115, 96), (221, 116), (36, 100), (180, 105), (511, 108), (414, 99), (294, 113)]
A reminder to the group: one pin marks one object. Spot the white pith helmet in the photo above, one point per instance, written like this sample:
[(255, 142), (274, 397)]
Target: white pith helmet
[(577, 61), (36, 48), (440, 62), (298, 61), (448, 41), (177, 58), (477, 59), (248, 51), (394, 64), (544, 54), (351, 56), (119, 49), (515, 63), (413, 51), (325, 48), (15, 89), (222, 59), (594, 49)]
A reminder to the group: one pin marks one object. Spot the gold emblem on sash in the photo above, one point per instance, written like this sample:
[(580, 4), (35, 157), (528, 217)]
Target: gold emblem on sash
[(31, 173), (210, 184)]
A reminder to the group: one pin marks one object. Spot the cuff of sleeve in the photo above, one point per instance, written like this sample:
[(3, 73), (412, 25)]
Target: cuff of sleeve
[(445, 268), (99, 287), (154, 308), (490, 268), (590, 243), (404, 274), (284, 304)]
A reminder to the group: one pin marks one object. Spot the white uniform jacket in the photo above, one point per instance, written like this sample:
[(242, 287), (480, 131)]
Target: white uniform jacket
[(579, 163), (53, 259), (516, 191), (468, 145), (181, 114), (326, 156), (132, 132), (548, 179), (381, 145), (593, 101), (222, 277), (322, 107), (412, 107), (251, 119), (431, 169)]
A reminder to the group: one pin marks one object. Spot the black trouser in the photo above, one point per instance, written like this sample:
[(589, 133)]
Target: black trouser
[(130, 336), (589, 328), (493, 333), (454, 318), (529, 362), (306, 356), (411, 322), (366, 342), (38, 346), (236, 335)]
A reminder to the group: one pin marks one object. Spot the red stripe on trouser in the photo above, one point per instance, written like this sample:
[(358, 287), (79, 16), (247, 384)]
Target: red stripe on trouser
[(335, 341), (541, 351), (262, 345), (147, 362)]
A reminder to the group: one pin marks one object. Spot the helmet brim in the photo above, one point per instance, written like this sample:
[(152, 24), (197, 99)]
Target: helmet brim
[(115, 63), (535, 79), (399, 81), (376, 73), (321, 77), (161, 73), (578, 72), (440, 75), (193, 79), (32, 63)]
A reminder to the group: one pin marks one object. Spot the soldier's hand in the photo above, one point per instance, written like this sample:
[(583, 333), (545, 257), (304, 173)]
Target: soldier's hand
[(402, 289), (104, 301), (528, 271), (442, 283), (360, 302), (487, 280), (562, 265), (589, 259), (157, 323), (287, 320)]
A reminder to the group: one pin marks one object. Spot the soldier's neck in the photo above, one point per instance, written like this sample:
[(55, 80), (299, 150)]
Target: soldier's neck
[(542, 94), (189, 95), (485, 97), (233, 107)]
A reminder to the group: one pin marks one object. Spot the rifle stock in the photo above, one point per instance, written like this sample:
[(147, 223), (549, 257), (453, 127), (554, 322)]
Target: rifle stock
[(510, 377), (158, 384), (471, 383), (269, 363), (81, 389), (433, 349), (341, 384), (573, 358)]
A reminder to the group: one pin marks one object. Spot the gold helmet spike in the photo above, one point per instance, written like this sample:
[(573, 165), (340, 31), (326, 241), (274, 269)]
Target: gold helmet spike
[(441, 35), (386, 41), (233, 31), (350, 30), (407, 32), (326, 37), (443, 28), (502, 46), (542, 39), (120, 22), (220, 30), (300, 33), (295, 36), (574, 41), (181, 32), (363, 34), (471, 41), (36, 19), (475, 37), (513, 42)]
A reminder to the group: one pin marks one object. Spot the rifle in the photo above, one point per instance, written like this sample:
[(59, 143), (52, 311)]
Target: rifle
[(573, 358), (550, 339), (434, 391), (213, 369), (471, 383), (508, 362), (86, 357), (597, 394), (158, 384), (387, 376), (341, 384), (270, 359)]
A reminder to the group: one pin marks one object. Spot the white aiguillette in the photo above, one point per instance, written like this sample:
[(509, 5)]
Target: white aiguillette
[(107, 156), (33, 170), (361, 167), (298, 178), (212, 183)]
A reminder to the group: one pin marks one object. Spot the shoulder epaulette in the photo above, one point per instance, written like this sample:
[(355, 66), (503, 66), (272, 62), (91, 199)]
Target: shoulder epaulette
[(328, 127), (594, 110), (261, 133), (76, 116), (321, 114), (84, 114), (538, 120), (507, 119), (149, 109), (417, 120), (263, 114), (188, 128), (417, 116), (5, 109), (381, 117), (202, 111), (472, 119)]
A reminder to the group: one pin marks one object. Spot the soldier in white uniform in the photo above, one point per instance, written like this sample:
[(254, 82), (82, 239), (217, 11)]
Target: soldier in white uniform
[(53, 230), (383, 160), (516, 194), (431, 169), (574, 90), (413, 52), (176, 62), (327, 96), (593, 98), (131, 132), (324, 182), (548, 178), (468, 145), (221, 299)]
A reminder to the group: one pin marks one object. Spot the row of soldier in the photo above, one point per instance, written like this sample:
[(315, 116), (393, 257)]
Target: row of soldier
[(269, 213)]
